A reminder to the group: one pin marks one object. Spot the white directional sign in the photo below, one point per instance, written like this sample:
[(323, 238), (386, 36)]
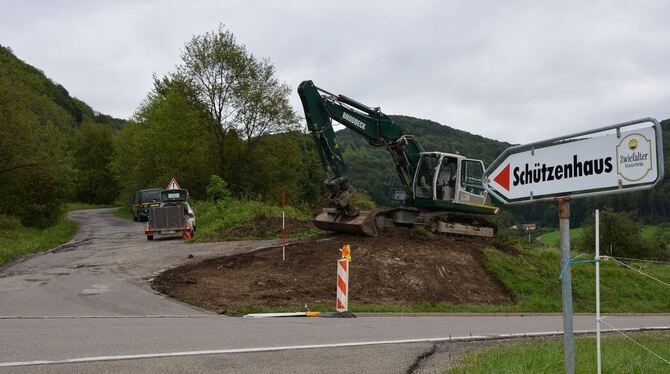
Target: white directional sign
[(582, 164)]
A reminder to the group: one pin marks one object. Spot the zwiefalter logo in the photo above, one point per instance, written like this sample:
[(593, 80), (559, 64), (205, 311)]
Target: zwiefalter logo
[(634, 157)]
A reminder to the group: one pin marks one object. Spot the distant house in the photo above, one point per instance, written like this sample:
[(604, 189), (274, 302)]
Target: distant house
[(529, 226), (525, 226)]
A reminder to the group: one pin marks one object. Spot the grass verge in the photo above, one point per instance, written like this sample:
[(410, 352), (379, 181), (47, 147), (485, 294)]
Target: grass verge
[(124, 212), (619, 356), (17, 240), (382, 308), (532, 277), (235, 220), (243, 220)]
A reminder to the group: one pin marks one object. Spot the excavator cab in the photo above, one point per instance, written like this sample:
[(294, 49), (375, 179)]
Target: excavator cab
[(443, 179)]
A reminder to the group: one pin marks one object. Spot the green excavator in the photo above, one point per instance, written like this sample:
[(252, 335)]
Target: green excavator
[(442, 191)]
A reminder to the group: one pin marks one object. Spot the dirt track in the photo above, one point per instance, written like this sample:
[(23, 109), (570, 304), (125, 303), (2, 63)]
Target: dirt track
[(400, 267)]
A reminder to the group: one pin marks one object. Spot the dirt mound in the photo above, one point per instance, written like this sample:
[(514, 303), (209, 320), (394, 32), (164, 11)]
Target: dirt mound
[(269, 227), (400, 267)]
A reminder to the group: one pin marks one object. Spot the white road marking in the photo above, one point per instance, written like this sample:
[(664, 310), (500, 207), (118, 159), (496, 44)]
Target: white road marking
[(119, 317), (308, 346)]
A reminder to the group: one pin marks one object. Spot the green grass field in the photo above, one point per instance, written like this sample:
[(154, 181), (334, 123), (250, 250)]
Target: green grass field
[(553, 238), (619, 356), (532, 277)]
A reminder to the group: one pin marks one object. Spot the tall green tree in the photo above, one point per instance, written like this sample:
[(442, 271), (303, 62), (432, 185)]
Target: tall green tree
[(167, 138), (243, 96), (284, 163), (93, 151)]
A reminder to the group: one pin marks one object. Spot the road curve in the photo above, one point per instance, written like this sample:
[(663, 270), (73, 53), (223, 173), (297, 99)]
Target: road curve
[(90, 301)]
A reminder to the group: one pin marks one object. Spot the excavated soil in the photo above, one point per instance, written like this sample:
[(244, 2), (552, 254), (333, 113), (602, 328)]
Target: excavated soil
[(399, 267)]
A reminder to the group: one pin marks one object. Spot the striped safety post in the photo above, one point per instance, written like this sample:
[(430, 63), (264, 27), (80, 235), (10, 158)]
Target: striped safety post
[(342, 285), (342, 304)]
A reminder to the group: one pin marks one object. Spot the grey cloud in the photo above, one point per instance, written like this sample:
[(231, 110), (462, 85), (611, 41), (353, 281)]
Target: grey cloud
[(516, 71)]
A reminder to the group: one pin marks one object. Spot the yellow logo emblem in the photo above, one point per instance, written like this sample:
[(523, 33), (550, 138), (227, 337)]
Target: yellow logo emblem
[(632, 144)]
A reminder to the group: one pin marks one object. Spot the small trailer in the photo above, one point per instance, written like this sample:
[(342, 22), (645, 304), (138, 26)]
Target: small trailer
[(173, 217)]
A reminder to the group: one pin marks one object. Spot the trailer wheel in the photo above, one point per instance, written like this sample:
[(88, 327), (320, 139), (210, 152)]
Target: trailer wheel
[(150, 237)]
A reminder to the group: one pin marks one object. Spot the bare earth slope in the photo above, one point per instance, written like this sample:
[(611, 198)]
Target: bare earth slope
[(399, 267)]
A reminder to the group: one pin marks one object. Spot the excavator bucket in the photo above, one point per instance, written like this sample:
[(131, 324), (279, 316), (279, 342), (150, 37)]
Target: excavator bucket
[(334, 220)]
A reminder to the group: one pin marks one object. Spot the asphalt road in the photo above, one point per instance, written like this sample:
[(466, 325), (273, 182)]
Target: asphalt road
[(87, 307)]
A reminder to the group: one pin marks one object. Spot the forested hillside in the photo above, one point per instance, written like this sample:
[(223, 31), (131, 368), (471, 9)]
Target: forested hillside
[(30, 79), (51, 146), (372, 171)]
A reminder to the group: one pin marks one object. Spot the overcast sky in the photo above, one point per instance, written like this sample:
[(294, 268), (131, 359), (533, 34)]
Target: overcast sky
[(517, 71)]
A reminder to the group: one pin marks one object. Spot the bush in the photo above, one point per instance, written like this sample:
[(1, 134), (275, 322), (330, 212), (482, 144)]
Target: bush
[(503, 222), (363, 201), (217, 189), (216, 218), (620, 235), (658, 245), (9, 222)]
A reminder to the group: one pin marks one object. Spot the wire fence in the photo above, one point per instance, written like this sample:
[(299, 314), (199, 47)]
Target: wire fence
[(621, 262)]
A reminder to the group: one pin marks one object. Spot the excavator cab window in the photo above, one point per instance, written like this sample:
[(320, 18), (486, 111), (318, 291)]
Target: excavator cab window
[(446, 178), (471, 177), (424, 181)]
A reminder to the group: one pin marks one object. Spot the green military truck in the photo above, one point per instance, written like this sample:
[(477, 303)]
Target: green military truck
[(143, 201)]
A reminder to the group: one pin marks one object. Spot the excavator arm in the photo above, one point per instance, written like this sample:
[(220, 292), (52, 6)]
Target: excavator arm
[(322, 107)]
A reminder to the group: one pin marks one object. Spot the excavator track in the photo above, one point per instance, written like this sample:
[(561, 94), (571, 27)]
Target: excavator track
[(461, 224), (439, 222)]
